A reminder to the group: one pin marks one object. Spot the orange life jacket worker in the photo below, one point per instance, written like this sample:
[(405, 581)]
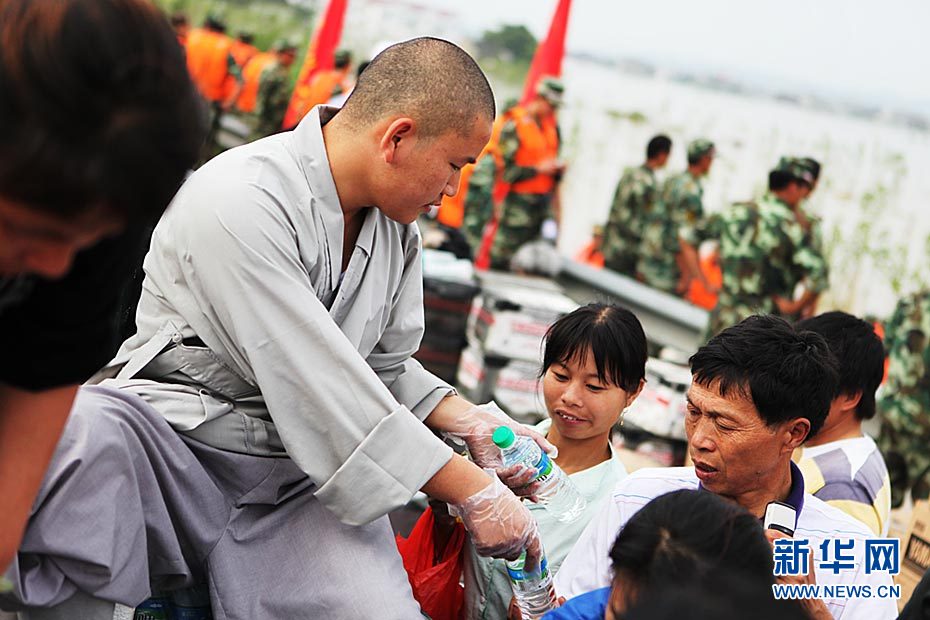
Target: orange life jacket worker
[(251, 75), (243, 49), (323, 85), (210, 62)]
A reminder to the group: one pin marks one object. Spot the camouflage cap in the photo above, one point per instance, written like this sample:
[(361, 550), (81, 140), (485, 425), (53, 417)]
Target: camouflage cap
[(551, 89), (699, 148), (283, 45), (797, 168)]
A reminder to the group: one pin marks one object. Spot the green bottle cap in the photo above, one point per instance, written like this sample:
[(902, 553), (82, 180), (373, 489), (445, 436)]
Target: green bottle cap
[(503, 437)]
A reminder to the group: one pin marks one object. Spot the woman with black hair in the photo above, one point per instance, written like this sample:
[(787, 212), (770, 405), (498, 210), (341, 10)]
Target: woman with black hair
[(593, 369)]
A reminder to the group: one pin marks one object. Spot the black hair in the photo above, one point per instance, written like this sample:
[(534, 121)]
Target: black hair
[(685, 535), (658, 145), (784, 372), (723, 595), (859, 354), (342, 61), (434, 81), (246, 37), (178, 19), (780, 179), (612, 334), (96, 107)]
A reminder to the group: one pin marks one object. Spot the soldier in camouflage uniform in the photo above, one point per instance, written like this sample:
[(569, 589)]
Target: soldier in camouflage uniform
[(763, 254), (633, 199), (905, 404), (274, 91), (478, 205), (809, 169), (679, 204), (529, 147)]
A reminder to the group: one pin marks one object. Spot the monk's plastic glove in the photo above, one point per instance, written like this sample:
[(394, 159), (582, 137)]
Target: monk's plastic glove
[(476, 427), (499, 524)]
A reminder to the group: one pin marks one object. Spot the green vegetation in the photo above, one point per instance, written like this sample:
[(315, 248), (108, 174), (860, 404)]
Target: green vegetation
[(636, 117), (508, 43), (267, 20)]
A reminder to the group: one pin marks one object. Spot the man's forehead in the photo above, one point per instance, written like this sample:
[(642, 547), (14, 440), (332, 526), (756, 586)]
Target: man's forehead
[(711, 397)]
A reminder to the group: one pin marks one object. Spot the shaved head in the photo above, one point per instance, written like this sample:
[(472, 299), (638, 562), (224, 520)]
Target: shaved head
[(434, 82)]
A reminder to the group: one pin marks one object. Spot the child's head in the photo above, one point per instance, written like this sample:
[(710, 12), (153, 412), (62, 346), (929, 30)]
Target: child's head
[(593, 368), (683, 537)]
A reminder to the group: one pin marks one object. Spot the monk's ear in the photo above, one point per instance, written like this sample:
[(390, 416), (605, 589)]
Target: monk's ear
[(398, 139)]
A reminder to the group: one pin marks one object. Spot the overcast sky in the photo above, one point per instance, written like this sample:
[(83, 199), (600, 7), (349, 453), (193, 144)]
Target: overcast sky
[(869, 51)]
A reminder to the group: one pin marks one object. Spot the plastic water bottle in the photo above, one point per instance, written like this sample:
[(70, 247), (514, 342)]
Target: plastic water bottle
[(191, 604), (533, 590), (156, 608), (556, 490)]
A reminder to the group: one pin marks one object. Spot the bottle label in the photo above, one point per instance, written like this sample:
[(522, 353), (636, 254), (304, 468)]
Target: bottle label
[(516, 572), (543, 467)]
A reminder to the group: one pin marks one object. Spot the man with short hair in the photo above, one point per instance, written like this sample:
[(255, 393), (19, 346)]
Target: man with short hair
[(763, 252), (759, 389), (268, 414), (679, 205), (634, 198), (841, 465), (529, 145)]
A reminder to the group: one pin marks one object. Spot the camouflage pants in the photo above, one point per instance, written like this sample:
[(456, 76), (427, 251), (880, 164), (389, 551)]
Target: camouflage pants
[(522, 216), (478, 209), (621, 251), (730, 310), (904, 441)]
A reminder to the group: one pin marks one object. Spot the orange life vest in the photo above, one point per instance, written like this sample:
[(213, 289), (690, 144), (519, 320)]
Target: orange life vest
[(207, 61), (697, 294), (318, 90), (538, 143), (251, 75), (590, 255), (242, 53)]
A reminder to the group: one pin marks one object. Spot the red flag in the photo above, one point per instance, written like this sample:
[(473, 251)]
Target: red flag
[(319, 56), (548, 58)]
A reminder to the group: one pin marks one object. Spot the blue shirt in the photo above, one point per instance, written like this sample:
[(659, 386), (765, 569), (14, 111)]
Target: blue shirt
[(587, 606)]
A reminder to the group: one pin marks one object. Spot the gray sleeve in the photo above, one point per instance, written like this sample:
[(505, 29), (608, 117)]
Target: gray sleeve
[(410, 383), (367, 453)]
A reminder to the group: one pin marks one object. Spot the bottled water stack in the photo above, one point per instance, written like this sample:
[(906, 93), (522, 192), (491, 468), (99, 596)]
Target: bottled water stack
[(556, 491), (533, 590)]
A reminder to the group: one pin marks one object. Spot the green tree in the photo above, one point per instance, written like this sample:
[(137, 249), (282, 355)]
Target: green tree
[(508, 42)]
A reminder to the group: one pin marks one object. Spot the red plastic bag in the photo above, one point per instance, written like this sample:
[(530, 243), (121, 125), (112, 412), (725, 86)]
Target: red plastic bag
[(435, 574)]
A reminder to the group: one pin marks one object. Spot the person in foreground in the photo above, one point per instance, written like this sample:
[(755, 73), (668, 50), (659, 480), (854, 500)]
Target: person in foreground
[(268, 413), (759, 389), (685, 538), (99, 122)]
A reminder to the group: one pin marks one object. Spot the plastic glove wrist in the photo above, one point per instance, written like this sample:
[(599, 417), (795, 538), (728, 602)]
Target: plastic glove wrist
[(499, 524)]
